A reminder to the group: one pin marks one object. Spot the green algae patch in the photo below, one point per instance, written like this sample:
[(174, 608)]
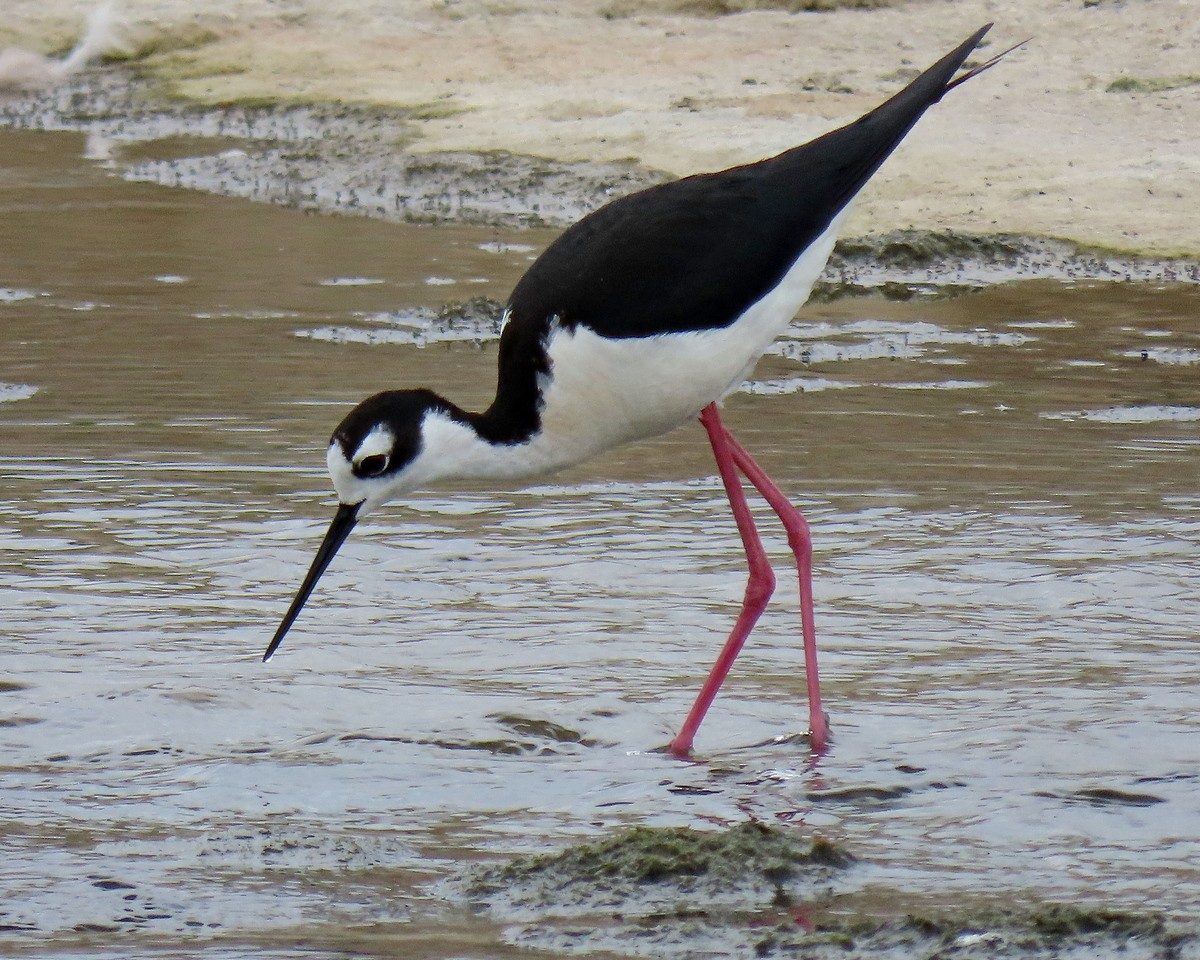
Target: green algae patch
[(1062, 920), (647, 855), (1043, 933), (920, 264), (932, 264), (1152, 84), (922, 248), (1053, 930), (646, 869), (162, 43)]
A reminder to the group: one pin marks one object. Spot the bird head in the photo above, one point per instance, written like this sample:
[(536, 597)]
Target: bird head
[(377, 453)]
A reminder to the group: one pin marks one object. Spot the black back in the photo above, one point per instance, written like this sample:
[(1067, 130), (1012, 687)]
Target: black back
[(694, 253)]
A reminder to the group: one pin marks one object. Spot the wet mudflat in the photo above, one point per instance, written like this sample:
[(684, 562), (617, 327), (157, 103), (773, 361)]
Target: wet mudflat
[(1003, 490)]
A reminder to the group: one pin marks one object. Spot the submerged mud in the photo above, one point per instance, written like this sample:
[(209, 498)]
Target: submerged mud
[(324, 158), (360, 160), (758, 890)]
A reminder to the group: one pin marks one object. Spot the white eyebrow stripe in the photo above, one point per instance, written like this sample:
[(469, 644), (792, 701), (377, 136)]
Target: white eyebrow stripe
[(379, 440)]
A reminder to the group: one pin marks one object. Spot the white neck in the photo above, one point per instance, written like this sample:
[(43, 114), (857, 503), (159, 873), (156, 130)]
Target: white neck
[(452, 450)]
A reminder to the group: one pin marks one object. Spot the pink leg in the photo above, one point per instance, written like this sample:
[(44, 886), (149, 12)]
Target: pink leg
[(759, 587), (801, 543), (731, 456)]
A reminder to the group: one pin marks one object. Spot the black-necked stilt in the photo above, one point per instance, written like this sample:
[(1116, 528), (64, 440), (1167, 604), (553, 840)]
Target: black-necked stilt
[(641, 316)]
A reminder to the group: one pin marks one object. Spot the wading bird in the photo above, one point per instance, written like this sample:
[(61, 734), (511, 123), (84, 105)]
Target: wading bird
[(644, 314)]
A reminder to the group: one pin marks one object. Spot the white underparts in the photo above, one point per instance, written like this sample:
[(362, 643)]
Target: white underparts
[(602, 392)]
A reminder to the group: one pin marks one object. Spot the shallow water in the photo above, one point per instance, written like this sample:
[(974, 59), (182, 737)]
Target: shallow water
[(1003, 490)]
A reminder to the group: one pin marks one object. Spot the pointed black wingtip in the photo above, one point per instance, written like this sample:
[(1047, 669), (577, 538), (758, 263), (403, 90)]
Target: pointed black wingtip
[(970, 45), (934, 82)]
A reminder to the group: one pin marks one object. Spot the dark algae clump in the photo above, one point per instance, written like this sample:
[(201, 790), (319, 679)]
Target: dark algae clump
[(1049, 931), (1066, 921), (749, 855)]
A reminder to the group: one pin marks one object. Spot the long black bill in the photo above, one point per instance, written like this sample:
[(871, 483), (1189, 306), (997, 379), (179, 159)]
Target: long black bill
[(343, 522)]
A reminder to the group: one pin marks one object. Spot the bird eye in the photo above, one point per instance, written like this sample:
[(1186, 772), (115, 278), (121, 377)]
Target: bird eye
[(373, 465)]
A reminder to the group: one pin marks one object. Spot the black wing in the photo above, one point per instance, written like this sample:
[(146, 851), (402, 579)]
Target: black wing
[(694, 253)]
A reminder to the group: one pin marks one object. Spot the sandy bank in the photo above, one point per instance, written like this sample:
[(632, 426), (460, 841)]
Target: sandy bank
[(1040, 145)]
